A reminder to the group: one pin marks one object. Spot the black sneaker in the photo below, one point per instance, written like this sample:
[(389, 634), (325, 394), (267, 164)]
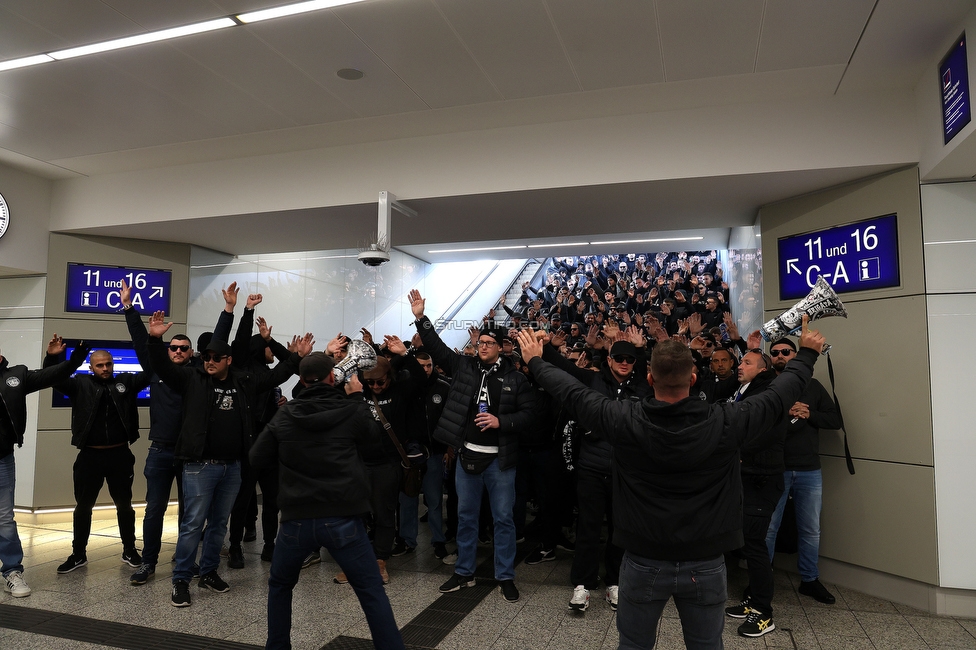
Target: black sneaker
[(440, 550), (756, 625), (250, 535), (73, 562), (196, 570), (817, 591), (540, 555), (457, 582), (142, 576), (132, 558), (235, 557), (509, 591), (181, 594), (213, 582), (267, 553), (741, 610), (312, 558), (401, 548), (566, 545)]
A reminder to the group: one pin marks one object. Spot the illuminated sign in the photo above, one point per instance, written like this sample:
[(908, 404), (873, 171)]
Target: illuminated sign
[(954, 79), (97, 289), (855, 257)]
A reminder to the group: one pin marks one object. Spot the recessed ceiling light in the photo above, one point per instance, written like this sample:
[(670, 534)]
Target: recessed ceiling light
[(291, 10), (643, 241), (141, 39), (349, 74), (575, 243), (483, 248)]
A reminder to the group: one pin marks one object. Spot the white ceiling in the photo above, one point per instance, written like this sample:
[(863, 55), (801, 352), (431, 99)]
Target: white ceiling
[(428, 65)]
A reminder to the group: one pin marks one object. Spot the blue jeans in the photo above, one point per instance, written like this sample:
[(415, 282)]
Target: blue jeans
[(433, 490), (699, 592), (209, 491), (807, 499), (11, 551), (346, 540), (160, 472), (501, 495)]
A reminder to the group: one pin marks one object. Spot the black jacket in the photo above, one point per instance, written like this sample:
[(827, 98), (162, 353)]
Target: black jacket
[(763, 454), (17, 381), (86, 393), (677, 491), (318, 441), (514, 409), (801, 449), (165, 404), (596, 452), (197, 391)]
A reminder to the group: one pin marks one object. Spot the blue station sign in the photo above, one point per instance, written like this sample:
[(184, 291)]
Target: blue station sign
[(854, 257), (98, 289)]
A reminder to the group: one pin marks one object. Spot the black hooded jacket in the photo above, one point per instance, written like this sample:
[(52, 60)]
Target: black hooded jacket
[(677, 491), (318, 440)]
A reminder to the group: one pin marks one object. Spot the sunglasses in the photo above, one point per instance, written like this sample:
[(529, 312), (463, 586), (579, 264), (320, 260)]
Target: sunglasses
[(786, 352), (181, 348), (624, 358), (210, 356), (376, 382)]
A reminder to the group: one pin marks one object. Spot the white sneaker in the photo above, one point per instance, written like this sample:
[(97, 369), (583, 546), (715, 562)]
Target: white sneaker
[(450, 559), (15, 585), (581, 599), (612, 596)]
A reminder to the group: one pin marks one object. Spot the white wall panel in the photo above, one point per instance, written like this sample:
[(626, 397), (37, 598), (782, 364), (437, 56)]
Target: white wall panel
[(949, 235)]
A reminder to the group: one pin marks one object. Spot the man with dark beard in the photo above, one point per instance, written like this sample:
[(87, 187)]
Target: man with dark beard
[(814, 410)]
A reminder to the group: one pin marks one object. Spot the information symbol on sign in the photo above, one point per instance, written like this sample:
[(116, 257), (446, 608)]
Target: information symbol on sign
[(870, 268), (89, 299)]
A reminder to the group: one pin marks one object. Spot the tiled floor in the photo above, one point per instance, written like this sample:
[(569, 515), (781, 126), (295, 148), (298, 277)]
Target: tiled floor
[(323, 610)]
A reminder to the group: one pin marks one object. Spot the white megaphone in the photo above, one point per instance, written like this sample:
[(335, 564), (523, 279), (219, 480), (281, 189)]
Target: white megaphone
[(820, 302), (360, 355)]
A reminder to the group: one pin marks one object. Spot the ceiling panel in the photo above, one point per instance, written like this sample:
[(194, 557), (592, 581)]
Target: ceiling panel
[(319, 44), (415, 41), (709, 38), (802, 34), (515, 43), (611, 43), (75, 22), (900, 42), (239, 57), (20, 38), (151, 16)]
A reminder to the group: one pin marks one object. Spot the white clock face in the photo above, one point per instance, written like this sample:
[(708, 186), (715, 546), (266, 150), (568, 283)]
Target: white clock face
[(4, 216)]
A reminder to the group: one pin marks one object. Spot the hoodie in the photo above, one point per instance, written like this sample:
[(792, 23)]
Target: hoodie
[(677, 491), (318, 440)]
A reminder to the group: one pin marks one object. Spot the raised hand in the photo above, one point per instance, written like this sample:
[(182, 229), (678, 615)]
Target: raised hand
[(56, 345), (367, 337), (636, 336), (253, 300), (230, 297), (611, 330), (395, 345), (305, 344), (812, 339), (125, 295), (730, 327), (558, 337), (695, 325), (263, 329), (755, 340), (336, 345), (416, 341), (158, 325), (416, 303), (530, 346), (591, 335)]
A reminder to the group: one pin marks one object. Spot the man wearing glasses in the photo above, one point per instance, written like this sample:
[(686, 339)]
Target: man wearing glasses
[(214, 436), (622, 377), (165, 416), (814, 410), (489, 404)]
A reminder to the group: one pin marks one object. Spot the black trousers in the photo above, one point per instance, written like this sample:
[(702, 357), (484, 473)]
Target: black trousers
[(594, 494), (385, 503), (760, 494), (93, 468), (267, 478)]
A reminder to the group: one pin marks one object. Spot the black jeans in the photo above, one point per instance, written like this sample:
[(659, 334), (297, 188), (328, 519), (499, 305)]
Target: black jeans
[(760, 494), (268, 479), (384, 502), (530, 477), (92, 468), (594, 491)]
